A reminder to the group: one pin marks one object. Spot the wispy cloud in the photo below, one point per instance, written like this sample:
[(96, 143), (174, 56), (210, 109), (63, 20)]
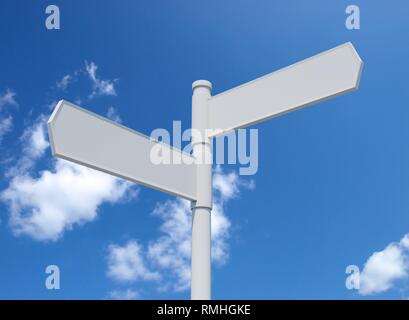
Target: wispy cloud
[(7, 98), (127, 264), (6, 125), (385, 268), (112, 114), (63, 83), (170, 253), (34, 143), (127, 294), (100, 87)]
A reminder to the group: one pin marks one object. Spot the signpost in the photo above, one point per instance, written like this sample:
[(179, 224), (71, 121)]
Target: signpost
[(88, 139)]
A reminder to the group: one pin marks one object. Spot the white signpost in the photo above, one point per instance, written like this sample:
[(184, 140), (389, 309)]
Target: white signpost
[(88, 139)]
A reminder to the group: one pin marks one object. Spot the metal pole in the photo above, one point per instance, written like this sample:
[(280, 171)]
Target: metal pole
[(202, 207)]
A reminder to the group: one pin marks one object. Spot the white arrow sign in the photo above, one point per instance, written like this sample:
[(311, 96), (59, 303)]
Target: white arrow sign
[(323, 76), (83, 137)]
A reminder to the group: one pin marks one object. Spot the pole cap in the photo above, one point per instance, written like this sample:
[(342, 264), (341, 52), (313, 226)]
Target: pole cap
[(202, 83)]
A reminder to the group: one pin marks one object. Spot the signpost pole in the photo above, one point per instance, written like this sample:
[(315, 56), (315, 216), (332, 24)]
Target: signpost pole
[(202, 207)]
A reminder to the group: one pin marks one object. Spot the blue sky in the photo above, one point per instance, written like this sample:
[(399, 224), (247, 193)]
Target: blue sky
[(332, 188)]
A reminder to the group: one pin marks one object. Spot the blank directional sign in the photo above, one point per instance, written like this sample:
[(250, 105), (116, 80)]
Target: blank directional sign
[(310, 81), (88, 139)]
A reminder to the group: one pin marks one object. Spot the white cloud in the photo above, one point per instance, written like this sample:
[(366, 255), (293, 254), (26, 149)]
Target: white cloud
[(34, 143), (45, 206), (64, 82), (404, 242), (169, 255), (37, 142), (8, 98), (100, 87), (6, 124), (124, 294), (112, 114), (227, 186), (126, 263), (384, 268)]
